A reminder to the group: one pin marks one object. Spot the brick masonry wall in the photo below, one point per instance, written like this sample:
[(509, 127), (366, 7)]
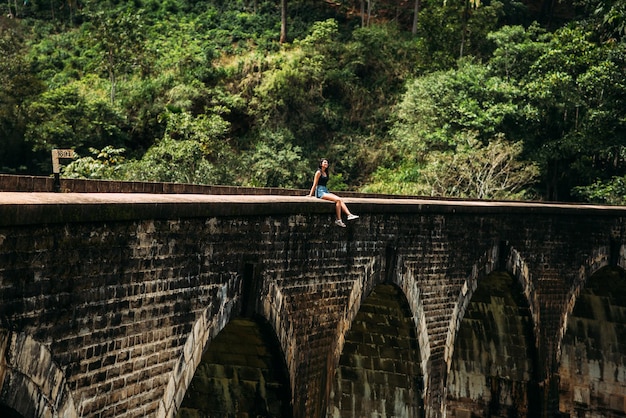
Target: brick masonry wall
[(379, 370), (592, 375), (494, 357), (125, 298)]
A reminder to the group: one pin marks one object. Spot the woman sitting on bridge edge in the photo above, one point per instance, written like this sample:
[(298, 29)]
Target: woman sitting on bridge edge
[(320, 191)]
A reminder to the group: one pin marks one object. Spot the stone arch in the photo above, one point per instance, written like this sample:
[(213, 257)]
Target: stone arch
[(494, 327), (379, 370), (242, 373), (408, 284), (31, 383), (599, 258), (363, 288), (214, 319), (210, 323), (591, 353), (511, 261), (272, 310), (359, 292)]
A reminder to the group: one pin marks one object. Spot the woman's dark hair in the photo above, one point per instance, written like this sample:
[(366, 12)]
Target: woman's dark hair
[(320, 164)]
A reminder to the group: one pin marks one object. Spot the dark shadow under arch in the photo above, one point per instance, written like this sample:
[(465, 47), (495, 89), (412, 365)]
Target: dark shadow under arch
[(592, 370), (379, 370), (494, 362), (242, 373), (7, 412)]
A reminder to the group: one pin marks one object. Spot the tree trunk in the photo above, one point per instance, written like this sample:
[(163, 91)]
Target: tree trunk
[(283, 21), (464, 27), (362, 13), (112, 78), (416, 12)]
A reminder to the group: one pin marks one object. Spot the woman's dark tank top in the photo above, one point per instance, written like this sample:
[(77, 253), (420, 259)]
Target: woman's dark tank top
[(322, 180)]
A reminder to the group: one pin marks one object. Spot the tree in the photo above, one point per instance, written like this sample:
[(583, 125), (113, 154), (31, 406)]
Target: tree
[(455, 135), (283, 21), (120, 37), (290, 94), (472, 170), (174, 161), (209, 130), (275, 162), (468, 6), (416, 12), (494, 171), (606, 18), (77, 115), (18, 87), (438, 106), (575, 93)]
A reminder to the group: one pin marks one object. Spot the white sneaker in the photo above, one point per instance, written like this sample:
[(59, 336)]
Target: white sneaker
[(340, 223), (352, 217)]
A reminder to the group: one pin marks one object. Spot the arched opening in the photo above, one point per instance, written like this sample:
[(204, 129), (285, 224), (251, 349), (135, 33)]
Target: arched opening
[(494, 358), (592, 371), (379, 370), (242, 373)]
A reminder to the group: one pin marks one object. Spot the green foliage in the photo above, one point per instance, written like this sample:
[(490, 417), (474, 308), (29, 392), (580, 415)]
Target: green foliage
[(471, 170), (203, 92), (324, 91), (107, 163), (275, 162), (194, 149), (517, 49), (59, 58), (208, 130), (576, 122), (610, 192), (614, 17), (606, 17), (119, 41), (174, 161), (77, 115), (18, 86), (436, 107), (292, 88)]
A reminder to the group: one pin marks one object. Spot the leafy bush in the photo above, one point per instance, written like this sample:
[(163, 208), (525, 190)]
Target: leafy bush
[(610, 192), (107, 163), (275, 162), (174, 161), (472, 170)]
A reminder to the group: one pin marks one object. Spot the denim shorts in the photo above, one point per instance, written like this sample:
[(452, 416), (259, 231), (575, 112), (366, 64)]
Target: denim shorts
[(320, 191)]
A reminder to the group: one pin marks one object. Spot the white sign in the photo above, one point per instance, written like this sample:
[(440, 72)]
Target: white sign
[(58, 154)]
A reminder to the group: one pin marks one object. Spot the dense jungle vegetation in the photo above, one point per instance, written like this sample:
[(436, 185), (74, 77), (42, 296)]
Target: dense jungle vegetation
[(494, 99)]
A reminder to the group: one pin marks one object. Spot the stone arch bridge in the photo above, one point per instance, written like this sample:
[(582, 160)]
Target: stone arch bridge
[(158, 305)]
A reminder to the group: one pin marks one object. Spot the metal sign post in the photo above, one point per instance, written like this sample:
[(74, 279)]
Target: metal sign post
[(57, 154)]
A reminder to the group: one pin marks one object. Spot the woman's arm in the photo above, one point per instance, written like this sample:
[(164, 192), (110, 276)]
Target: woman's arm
[(315, 179)]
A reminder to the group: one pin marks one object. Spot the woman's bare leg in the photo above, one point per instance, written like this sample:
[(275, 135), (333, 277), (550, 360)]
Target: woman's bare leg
[(339, 204), (345, 208)]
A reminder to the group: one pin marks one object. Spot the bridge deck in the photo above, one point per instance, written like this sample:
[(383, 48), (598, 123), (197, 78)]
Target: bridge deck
[(23, 208)]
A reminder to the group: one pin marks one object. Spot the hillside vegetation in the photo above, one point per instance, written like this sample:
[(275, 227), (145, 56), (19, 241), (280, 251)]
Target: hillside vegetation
[(493, 99)]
